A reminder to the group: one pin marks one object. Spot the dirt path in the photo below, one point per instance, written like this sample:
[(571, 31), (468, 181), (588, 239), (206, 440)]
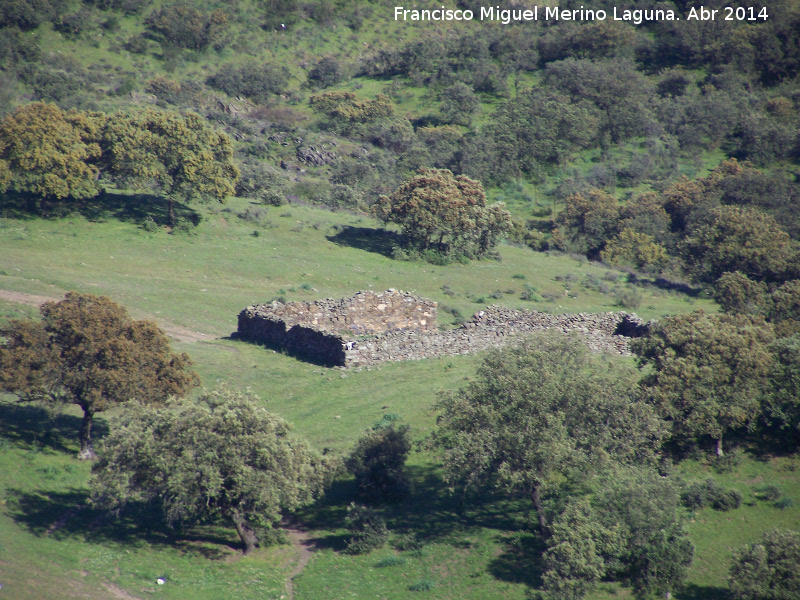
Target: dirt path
[(177, 333), (301, 541)]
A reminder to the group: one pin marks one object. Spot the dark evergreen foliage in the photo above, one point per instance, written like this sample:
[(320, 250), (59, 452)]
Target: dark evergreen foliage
[(378, 464)]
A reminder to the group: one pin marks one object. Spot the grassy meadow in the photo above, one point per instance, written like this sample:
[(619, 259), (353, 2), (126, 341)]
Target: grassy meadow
[(51, 545)]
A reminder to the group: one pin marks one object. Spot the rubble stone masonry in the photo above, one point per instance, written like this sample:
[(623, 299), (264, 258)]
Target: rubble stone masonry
[(372, 328)]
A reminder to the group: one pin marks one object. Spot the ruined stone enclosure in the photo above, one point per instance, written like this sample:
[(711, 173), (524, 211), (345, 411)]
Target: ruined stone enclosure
[(327, 330), (371, 328)]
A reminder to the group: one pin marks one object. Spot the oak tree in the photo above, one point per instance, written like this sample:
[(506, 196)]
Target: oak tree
[(589, 220), (87, 351), (445, 213), (707, 371), (652, 551), (221, 457), (180, 155), (50, 153), (545, 409), (631, 531), (730, 238)]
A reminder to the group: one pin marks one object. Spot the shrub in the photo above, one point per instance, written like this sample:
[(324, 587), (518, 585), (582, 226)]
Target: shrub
[(61, 79), (259, 82), (278, 14), (444, 308), (728, 461), (367, 529), (252, 214), (341, 196), (767, 570), (710, 493), (183, 26), (74, 24), (26, 14), (149, 225), (326, 72), (727, 500), (529, 293), (137, 44), (768, 492), (784, 503), (129, 7), (182, 225), (630, 298), (261, 183), (421, 585), (378, 462), (410, 543), (391, 561)]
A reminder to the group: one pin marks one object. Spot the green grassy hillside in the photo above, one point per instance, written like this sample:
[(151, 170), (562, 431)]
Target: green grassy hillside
[(197, 283), (658, 102)]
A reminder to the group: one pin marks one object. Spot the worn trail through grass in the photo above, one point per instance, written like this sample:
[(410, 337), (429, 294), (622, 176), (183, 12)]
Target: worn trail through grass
[(177, 333)]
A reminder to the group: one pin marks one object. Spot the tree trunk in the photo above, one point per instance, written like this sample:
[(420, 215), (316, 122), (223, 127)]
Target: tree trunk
[(537, 503), (719, 446), (87, 449), (171, 212), (246, 533)]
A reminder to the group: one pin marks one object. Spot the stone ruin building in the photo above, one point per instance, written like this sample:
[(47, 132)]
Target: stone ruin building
[(371, 328)]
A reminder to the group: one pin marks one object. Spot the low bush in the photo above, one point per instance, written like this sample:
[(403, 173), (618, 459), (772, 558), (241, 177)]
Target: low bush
[(367, 529), (767, 492), (422, 585), (391, 561), (710, 493), (630, 298), (378, 461), (259, 82)]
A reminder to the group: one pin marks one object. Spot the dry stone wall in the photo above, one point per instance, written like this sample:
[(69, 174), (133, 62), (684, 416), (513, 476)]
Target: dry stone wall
[(371, 328)]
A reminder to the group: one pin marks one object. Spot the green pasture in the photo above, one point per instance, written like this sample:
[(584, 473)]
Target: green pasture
[(52, 545), (203, 278)]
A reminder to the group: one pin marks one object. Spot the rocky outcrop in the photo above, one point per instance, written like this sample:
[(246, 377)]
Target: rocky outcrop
[(314, 156), (371, 328)]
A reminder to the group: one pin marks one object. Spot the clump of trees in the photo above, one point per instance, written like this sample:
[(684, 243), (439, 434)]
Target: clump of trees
[(221, 457), (544, 407), (550, 419), (87, 351), (57, 156), (444, 213), (767, 569), (529, 135)]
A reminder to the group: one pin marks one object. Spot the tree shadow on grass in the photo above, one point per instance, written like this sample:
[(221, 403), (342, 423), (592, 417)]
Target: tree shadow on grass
[(379, 241), (108, 205), (135, 208), (701, 592), (66, 514), (27, 425), (521, 561), (430, 512)]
